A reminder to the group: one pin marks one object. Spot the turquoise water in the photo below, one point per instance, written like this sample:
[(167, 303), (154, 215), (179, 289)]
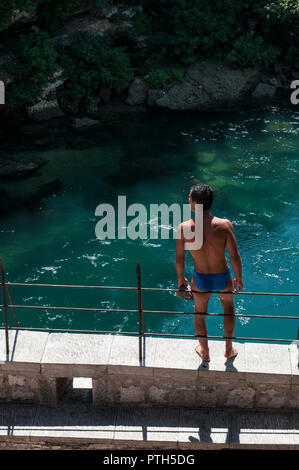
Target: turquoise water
[(249, 158)]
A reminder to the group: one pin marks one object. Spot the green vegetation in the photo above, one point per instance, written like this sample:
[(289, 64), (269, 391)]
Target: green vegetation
[(162, 76), (167, 36), (92, 62), (184, 31), (280, 10), (251, 50), (35, 61)]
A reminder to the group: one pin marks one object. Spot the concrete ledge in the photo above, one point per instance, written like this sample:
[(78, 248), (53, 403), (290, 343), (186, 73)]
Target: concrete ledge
[(26, 347), (72, 443), (76, 355), (41, 365)]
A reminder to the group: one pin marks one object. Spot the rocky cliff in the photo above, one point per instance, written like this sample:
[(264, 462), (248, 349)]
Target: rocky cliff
[(205, 84)]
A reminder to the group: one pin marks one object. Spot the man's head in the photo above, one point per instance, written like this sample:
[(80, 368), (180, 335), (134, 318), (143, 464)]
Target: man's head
[(201, 194)]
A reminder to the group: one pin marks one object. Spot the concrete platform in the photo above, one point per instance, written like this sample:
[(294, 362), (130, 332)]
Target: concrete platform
[(108, 400), (41, 365)]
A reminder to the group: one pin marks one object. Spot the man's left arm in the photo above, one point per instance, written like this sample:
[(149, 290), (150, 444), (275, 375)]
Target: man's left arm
[(180, 258), (234, 255)]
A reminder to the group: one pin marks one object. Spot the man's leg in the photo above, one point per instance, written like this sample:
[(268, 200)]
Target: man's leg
[(201, 305), (229, 319)]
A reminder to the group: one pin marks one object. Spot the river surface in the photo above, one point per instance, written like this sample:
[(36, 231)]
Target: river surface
[(249, 158)]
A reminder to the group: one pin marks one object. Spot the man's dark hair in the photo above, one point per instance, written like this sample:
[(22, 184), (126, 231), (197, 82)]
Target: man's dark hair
[(203, 194)]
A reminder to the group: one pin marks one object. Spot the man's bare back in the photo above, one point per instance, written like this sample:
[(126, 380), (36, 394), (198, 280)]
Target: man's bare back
[(211, 268), (210, 258)]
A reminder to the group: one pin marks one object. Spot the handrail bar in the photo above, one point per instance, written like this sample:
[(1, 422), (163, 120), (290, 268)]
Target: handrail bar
[(222, 314), (161, 289), (94, 309), (70, 286)]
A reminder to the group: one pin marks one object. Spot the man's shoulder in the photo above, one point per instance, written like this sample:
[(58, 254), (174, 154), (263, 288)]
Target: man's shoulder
[(183, 226), (186, 223), (222, 223)]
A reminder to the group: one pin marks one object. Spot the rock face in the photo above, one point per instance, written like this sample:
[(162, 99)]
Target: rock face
[(56, 81), (137, 92), (96, 21), (263, 91), (88, 23), (100, 26), (79, 123), (22, 16), (10, 167), (206, 87), (44, 110), (107, 12)]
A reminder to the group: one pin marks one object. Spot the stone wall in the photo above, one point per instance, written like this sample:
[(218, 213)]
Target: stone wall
[(41, 366), (31, 388), (212, 390)]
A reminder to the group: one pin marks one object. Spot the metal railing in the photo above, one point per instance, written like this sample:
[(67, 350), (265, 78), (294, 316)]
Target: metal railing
[(140, 311)]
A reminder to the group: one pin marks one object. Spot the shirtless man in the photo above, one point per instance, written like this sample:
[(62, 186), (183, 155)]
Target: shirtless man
[(211, 271)]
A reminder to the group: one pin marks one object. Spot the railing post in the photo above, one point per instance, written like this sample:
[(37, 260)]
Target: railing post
[(140, 311), (4, 307)]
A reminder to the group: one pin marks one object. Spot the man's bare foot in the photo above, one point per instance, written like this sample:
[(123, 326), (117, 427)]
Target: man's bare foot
[(230, 353), (203, 353)]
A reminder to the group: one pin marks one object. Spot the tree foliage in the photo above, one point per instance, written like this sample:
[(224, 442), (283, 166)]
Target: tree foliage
[(34, 62), (92, 62), (251, 50), (176, 33)]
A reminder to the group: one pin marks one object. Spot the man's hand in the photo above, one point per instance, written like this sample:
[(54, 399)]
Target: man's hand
[(183, 282), (239, 283)]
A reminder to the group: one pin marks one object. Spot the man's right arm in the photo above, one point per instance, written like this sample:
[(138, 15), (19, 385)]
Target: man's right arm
[(234, 255)]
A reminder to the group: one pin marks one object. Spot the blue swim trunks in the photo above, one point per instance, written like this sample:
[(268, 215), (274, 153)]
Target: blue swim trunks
[(212, 282)]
